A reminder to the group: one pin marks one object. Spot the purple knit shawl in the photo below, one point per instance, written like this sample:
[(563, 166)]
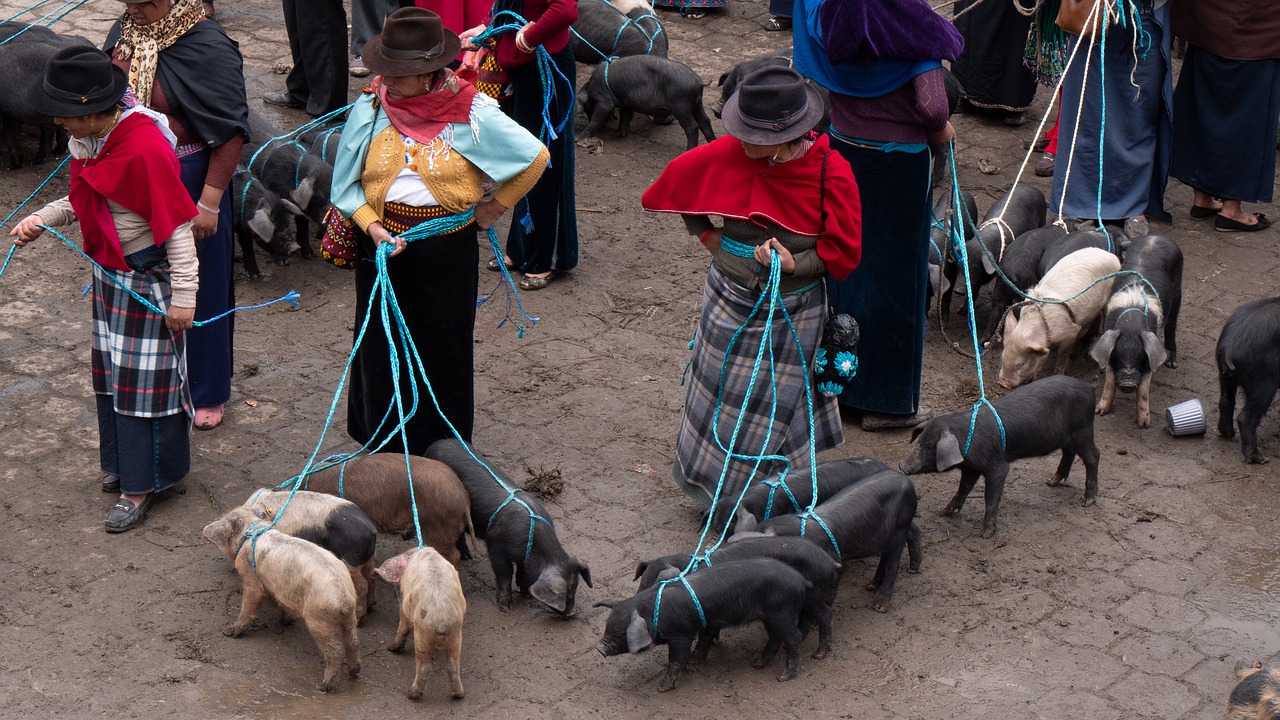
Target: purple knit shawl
[(857, 30)]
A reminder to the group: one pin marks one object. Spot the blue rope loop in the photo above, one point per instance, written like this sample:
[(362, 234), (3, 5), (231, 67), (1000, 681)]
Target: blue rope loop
[(547, 72), (657, 604), (70, 5)]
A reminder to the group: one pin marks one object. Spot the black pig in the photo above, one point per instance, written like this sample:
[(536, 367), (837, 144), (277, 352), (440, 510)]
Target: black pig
[(1249, 358), (939, 239), (602, 31), (261, 217), (1078, 240), (24, 54), (871, 517), (732, 594), (543, 570), (650, 86), (1026, 211), (1055, 413), (289, 170), (729, 81), (833, 476), (1129, 350), (817, 567)]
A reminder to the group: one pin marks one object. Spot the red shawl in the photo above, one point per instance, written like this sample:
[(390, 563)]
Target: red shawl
[(137, 169), (719, 179), (422, 117)]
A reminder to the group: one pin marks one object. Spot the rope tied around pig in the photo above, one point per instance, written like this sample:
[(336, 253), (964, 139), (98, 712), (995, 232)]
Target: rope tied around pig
[(771, 295), (627, 21)]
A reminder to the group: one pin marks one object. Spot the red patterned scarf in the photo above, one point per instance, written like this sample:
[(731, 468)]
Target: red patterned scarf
[(422, 117)]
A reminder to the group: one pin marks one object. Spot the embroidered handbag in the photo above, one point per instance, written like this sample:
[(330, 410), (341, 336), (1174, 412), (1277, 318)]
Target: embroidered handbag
[(488, 76), (836, 360), (1073, 16), (338, 247)]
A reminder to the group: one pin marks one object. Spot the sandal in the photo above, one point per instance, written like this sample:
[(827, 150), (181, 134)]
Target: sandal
[(208, 418), (124, 515), (529, 282), (777, 23), (1226, 224), (495, 267)]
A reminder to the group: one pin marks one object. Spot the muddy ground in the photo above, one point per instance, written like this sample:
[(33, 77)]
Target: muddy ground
[(1137, 607)]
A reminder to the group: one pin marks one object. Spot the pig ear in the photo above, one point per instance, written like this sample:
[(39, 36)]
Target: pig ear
[(745, 535), (260, 224), (585, 572), (987, 266), (668, 574), (218, 532), (948, 452), (640, 568), (607, 603), (723, 76), (293, 209), (746, 522), (302, 194), (1156, 354), (550, 590), (1037, 349), (1102, 348), (1011, 320), (915, 432), (393, 569), (638, 637)]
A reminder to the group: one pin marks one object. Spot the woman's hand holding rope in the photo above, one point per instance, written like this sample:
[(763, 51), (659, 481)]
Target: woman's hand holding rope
[(380, 235), (466, 35), (943, 136), (764, 257), (487, 213), (27, 230), (178, 319)]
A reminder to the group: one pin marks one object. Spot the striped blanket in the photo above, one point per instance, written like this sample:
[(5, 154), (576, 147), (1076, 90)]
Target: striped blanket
[(725, 307), (136, 359)]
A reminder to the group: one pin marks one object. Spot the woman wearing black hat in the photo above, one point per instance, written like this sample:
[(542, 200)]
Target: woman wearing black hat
[(776, 190), (140, 237), (184, 66), (420, 144)]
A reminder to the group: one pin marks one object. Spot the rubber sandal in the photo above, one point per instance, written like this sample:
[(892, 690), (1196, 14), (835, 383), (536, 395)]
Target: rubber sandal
[(535, 283), (692, 15), (493, 265), (1226, 224), (110, 483), (776, 24), (208, 418), (124, 515), (1202, 213)]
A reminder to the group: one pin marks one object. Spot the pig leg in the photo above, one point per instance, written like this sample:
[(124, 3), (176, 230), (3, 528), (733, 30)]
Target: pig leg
[(1089, 455), (1226, 405), (402, 632), (300, 236), (1171, 332), (1258, 394), (887, 574), (1144, 401), (600, 114), (994, 490), (45, 145), (702, 647), (914, 550), (690, 128), (680, 647), (252, 592), (60, 138), (822, 618), (624, 121), (770, 650), (351, 646), (362, 590), (968, 478), (247, 255), (286, 619), (704, 122), (1108, 393), (366, 571), (329, 636), (453, 663), (789, 635), (424, 665), (1064, 467), (502, 573), (13, 139)]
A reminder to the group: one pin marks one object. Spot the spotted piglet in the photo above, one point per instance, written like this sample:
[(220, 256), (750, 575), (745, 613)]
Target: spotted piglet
[(432, 607)]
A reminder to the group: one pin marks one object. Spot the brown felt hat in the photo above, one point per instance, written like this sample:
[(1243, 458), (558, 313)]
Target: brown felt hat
[(772, 106), (413, 41)]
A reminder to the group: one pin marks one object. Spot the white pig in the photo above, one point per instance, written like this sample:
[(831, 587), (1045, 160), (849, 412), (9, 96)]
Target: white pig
[(432, 607), (1031, 331), (304, 579)]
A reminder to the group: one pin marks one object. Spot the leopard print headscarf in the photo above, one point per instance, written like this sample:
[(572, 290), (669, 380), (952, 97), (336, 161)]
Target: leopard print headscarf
[(141, 44)]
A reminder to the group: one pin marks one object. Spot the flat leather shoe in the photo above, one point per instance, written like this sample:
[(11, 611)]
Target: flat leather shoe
[(124, 515), (1226, 224), (110, 483), (282, 98)]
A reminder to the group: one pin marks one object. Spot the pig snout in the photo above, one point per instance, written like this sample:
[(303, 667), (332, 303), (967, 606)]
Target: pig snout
[(605, 650), (1127, 380)]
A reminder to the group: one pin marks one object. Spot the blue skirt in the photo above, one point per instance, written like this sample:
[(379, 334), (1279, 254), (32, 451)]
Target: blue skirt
[(886, 293), (1221, 145), (209, 347)]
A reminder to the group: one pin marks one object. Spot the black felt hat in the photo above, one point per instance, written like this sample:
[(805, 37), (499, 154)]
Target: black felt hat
[(79, 81), (413, 41), (773, 105)]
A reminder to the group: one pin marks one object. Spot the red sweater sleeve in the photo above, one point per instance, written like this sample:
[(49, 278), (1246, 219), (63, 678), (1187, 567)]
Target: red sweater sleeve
[(840, 244), (551, 20)]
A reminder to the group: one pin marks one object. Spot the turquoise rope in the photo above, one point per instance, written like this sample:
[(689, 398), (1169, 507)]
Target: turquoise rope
[(9, 255), (547, 71), (26, 10), (46, 16)]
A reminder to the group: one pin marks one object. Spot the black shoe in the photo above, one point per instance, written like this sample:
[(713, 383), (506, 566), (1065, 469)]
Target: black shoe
[(281, 98), (1015, 119), (124, 515), (110, 483)]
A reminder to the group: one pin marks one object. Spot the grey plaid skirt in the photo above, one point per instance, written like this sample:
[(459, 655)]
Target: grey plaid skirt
[(714, 384)]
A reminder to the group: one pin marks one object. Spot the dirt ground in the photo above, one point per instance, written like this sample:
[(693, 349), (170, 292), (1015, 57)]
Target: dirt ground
[(1137, 607)]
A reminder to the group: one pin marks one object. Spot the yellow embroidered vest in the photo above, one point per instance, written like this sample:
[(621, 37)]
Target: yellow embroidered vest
[(452, 179)]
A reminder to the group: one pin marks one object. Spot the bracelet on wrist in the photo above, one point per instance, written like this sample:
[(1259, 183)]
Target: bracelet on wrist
[(521, 44), (706, 236), (206, 208)]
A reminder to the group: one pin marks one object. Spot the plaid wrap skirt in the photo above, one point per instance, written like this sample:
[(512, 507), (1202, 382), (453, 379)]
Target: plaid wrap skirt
[(138, 361), (725, 307)]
